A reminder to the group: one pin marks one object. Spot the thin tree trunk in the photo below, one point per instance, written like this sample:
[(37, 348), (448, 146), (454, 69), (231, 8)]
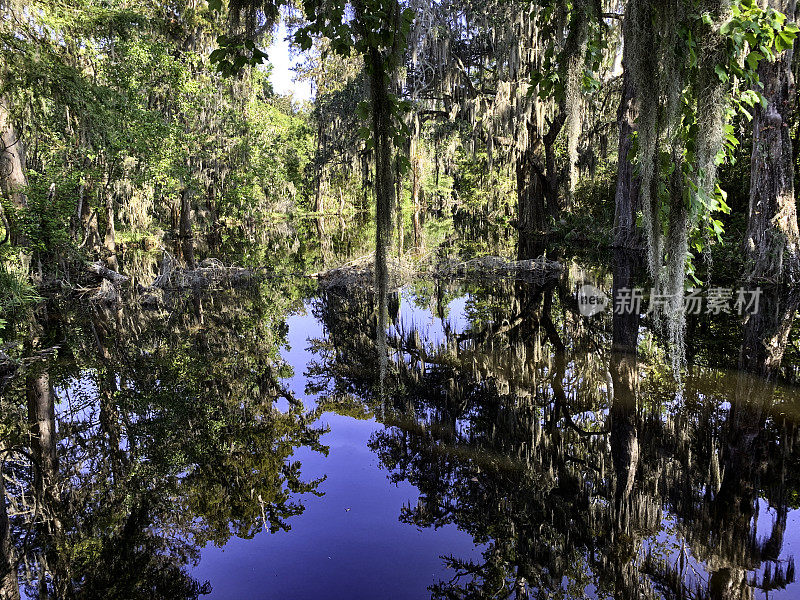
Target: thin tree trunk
[(187, 241), (91, 231), (215, 237), (416, 191), (772, 242), (626, 201), (76, 219), (110, 241), (398, 181)]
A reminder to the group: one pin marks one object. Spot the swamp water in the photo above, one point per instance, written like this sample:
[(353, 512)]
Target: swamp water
[(268, 442)]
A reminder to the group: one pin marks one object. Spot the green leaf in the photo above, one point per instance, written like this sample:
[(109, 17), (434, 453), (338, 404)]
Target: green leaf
[(753, 58), (784, 41), (362, 110), (746, 113)]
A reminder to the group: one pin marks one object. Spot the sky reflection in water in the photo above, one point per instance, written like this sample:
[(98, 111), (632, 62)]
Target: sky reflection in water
[(350, 543)]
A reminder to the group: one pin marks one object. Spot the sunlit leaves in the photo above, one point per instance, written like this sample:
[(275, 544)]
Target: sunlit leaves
[(235, 53)]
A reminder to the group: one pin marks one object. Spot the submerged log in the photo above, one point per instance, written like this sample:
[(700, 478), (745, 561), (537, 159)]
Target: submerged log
[(494, 266), (359, 271), (210, 272), (107, 274)]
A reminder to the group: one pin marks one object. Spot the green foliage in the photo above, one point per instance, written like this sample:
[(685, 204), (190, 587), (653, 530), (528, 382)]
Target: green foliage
[(15, 287), (377, 30), (233, 55), (126, 113), (477, 186), (749, 35), (550, 81), (752, 34), (45, 220)]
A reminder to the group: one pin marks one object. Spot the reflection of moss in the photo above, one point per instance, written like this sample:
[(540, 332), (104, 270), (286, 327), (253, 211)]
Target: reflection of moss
[(345, 406)]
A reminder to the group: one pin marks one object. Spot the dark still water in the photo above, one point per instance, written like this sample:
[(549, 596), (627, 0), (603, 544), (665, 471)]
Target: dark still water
[(349, 543), (494, 442)]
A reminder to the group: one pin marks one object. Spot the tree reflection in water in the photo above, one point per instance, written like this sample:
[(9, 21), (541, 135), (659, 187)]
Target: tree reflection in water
[(168, 438), (557, 442), (132, 436)]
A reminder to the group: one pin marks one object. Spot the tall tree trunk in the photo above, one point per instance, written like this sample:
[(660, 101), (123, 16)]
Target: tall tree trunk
[(772, 242), (110, 241), (75, 221), (417, 221), (626, 200), (398, 181), (384, 191), (12, 168), (324, 240), (384, 165), (187, 241), (215, 237), (532, 189), (416, 184), (12, 160), (91, 230)]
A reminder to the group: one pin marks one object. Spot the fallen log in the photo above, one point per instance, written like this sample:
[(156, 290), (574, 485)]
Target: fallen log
[(103, 271), (361, 270)]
